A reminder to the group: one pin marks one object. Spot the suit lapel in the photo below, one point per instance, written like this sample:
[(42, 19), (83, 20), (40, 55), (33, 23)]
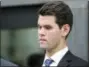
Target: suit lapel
[(66, 60), (41, 60)]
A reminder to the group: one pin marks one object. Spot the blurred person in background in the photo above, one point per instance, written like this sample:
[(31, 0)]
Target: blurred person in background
[(6, 63), (55, 20)]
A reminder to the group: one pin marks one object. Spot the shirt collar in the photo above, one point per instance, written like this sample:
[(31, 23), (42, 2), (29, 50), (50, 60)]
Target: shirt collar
[(58, 55)]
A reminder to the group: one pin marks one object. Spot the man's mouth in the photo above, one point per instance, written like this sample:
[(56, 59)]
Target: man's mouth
[(42, 39)]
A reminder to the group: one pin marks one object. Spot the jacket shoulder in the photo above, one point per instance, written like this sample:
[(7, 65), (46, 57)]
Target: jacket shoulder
[(77, 61)]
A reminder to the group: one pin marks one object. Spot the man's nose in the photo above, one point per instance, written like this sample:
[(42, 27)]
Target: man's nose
[(41, 32)]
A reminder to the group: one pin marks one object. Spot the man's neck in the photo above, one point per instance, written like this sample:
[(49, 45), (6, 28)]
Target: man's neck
[(58, 48)]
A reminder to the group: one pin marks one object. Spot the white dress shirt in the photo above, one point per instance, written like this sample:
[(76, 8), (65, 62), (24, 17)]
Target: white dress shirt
[(56, 57)]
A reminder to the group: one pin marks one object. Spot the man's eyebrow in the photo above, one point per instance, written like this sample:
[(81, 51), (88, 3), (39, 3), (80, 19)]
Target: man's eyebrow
[(44, 25), (47, 25)]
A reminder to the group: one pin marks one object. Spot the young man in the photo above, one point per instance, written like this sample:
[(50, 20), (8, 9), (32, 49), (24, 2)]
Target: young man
[(55, 21)]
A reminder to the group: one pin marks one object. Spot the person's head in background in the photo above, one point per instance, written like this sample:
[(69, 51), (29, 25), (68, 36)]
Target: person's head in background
[(55, 21)]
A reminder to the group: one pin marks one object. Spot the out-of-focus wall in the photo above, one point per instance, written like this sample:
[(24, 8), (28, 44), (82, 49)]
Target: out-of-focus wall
[(26, 2), (5, 41), (21, 42)]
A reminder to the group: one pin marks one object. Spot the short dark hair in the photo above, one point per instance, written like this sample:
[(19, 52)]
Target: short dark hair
[(60, 10)]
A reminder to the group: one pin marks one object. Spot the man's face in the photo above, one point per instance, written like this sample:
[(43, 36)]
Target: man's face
[(49, 32)]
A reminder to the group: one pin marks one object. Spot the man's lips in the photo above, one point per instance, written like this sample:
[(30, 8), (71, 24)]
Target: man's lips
[(42, 39)]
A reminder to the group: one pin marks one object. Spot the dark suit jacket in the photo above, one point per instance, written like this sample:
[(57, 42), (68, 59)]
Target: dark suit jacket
[(69, 60), (5, 63)]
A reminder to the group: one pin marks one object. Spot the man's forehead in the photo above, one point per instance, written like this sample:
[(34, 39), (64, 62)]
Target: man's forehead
[(46, 20), (46, 17)]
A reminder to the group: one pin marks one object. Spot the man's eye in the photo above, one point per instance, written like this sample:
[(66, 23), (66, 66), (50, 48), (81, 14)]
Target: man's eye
[(48, 27)]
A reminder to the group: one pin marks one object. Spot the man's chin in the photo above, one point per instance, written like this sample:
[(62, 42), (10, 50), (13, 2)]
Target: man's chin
[(43, 46)]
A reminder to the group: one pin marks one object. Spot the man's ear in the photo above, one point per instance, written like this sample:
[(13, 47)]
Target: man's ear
[(65, 30)]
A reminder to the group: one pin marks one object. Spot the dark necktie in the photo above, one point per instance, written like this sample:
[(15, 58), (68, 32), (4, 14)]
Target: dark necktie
[(48, 62)]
